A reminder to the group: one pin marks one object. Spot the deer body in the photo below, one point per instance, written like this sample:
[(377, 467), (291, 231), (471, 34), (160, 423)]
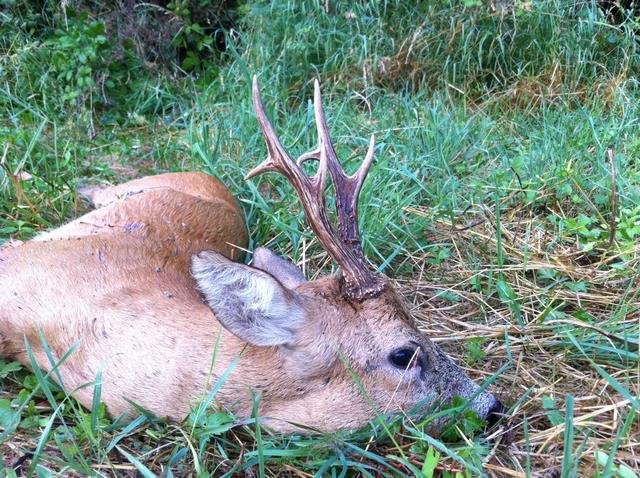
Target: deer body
[(116, 281), (115, 284), (147, 290)]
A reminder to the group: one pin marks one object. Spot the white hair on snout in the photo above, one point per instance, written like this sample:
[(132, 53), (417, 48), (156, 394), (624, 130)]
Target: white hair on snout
[(248, 302)]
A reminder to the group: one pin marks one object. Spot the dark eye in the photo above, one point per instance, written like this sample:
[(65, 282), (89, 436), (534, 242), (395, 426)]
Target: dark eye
[(401, 358)]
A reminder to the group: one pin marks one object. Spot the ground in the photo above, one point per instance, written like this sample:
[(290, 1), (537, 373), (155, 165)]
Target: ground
[(504, 202)]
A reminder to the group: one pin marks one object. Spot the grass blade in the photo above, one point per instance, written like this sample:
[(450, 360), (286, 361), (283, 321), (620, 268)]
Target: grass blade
[(144, 471)]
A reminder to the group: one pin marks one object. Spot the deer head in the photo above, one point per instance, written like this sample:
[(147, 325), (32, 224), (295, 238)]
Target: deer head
[(345, 346)]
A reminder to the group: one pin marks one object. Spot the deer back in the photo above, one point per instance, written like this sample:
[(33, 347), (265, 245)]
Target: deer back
[(114, 284)]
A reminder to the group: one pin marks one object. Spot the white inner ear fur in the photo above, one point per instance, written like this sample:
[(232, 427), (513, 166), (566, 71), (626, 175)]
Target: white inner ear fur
[(248, 302)]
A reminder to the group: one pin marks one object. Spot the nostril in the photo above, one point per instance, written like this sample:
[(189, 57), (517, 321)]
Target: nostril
[(496, 412)]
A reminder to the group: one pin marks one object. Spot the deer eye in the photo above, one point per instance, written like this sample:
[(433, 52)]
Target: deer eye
[(401, 358)]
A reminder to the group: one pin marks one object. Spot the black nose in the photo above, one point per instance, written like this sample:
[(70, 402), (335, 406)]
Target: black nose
[(496, 412)]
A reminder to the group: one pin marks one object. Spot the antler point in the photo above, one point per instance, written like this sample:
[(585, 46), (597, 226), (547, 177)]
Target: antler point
[(265, 166)]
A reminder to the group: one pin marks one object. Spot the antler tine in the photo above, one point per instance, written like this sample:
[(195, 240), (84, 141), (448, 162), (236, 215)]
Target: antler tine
[(361, 173), (359, 282), (347, 188), (274, 147), (325, 146), (278, 159)]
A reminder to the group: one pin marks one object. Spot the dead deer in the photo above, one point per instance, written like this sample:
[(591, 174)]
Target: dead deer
[(146, 288)]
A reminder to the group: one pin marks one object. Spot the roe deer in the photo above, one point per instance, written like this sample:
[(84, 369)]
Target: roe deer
[(147, 289)]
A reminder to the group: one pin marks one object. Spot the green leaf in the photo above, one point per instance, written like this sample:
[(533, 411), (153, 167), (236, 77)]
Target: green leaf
[(621, 470), (475, 350), (7, 414), (505, 292), (218, 423), (95, 29), (7, 368), (191, 61), (431, 461), (579, 286), (624, 471), (554, 415), (30, 382)]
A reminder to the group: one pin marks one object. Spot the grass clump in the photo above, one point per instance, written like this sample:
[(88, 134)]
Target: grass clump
[(505, 220)]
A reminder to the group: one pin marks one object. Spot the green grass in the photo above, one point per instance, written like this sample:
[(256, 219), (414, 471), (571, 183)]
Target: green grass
[(490, 203)]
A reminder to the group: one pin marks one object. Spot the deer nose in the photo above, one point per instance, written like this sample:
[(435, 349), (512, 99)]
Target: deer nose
[(495, 413)]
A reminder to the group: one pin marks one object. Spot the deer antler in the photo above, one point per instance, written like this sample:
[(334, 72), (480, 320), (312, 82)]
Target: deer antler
[(359, 281)]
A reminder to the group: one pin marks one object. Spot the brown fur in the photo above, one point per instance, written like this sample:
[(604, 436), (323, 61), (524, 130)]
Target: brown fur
[(117, 280), (116, 284)]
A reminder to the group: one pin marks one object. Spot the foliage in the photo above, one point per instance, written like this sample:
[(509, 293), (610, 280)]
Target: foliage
[(201, 33), (77, 54)]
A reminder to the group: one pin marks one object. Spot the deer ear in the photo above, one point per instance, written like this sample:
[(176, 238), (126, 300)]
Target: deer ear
[(285, 271), (248, 302)]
